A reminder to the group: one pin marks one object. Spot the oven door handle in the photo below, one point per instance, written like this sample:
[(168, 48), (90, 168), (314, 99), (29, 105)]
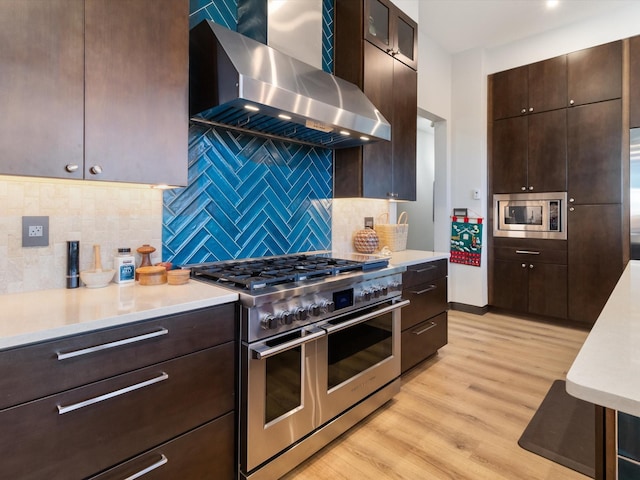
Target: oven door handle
[(262, 351), (364, 318)]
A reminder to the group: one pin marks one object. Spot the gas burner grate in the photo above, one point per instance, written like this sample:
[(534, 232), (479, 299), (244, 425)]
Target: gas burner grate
[(255, 274)]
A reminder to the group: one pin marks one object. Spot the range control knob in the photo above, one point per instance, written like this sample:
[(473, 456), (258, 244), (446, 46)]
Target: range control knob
[(366, 295), (287, 317), (384, 290), (301, 313), (314, 310), (376, 292), (328, 307), (269, 323)]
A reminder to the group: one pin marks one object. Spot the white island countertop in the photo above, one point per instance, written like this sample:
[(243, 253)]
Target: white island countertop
[(47, 314), (414, 257), (607, 369)]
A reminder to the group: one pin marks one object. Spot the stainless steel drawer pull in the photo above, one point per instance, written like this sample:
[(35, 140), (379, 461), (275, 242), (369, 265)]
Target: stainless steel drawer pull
[(422, 270), (527, 252), (117, 343), (428, 327), (144, 471), (428, 289), (62, 409)]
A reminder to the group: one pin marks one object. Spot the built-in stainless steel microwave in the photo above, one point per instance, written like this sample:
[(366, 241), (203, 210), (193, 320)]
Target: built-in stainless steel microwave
[(530, 215)]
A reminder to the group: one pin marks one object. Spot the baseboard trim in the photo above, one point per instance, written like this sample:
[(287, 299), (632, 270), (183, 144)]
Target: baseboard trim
[(463, 307)]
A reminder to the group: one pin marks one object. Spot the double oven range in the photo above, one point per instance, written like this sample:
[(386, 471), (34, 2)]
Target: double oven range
[(319, 350)]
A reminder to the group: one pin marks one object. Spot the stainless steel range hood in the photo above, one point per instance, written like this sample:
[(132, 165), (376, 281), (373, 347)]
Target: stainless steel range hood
[(239, 83)]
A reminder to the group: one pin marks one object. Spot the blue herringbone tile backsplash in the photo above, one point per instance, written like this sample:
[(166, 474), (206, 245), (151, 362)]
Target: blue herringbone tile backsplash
[(248, 196)]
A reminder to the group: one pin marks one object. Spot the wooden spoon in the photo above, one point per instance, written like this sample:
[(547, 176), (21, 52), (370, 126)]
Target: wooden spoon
[(98, 261)]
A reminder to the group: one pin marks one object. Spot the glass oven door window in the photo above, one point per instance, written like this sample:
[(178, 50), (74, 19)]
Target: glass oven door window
[(283, 378), (355, 349)]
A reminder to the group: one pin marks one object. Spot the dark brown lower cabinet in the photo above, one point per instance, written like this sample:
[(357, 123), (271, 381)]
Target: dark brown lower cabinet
[(530, 276), (424, 320), (595, 258), (529, 287), (423, 340), (168, 410), (206, 452)]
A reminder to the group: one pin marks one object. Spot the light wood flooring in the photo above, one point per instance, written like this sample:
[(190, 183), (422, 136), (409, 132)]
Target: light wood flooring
[(460, 414)]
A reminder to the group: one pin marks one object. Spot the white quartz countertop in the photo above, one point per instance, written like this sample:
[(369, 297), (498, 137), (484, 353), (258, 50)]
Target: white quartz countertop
[(44, 315), (413, 257), (607, 369)]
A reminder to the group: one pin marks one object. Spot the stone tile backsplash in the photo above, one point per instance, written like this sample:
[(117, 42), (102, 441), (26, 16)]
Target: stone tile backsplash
[(348, 217), (109, 214)]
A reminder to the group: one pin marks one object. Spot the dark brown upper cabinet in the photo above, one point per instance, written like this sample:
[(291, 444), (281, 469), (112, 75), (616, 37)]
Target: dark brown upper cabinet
[(391, 30), (95, 90), (634, 82), (385, 170), (595, 74), (136, 84), (594, 153), (530, 153), (41, 87), (534, 88)]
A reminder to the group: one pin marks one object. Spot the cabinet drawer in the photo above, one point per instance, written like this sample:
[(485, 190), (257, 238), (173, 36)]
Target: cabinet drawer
[(427, 300), (423, 340), (206, 452), (31, 372), (424, 272), (88, 429), (539, 255), (628, 470)]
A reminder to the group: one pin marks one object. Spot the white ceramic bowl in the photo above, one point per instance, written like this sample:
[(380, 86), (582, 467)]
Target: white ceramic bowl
[(93, 279)]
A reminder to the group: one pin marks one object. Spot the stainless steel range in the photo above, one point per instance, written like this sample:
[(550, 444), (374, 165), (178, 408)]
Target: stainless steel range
[(320, 350)]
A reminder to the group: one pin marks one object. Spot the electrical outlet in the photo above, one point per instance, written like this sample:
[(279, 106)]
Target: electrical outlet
[(368, 222), (35, 231)]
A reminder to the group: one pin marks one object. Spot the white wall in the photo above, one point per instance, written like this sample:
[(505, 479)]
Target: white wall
[(467, 284), (434, 96), (617, 25)]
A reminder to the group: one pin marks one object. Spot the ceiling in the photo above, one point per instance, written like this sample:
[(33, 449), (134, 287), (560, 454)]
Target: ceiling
[(459, 25)]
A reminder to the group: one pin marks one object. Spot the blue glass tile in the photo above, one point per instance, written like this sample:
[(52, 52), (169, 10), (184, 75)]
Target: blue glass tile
[(248, 196)]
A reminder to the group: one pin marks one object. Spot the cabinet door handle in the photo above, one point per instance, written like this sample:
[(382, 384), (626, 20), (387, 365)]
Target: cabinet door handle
[(150, 468), (423, 330), (428, 289), (62, 409), (426, 269), (527, 252), (117, 343)]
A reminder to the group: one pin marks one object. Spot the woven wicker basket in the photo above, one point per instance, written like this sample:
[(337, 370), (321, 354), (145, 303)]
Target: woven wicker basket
[(393, 235)]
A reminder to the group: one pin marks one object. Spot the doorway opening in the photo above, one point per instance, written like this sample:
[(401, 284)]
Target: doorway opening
[(431, 201)]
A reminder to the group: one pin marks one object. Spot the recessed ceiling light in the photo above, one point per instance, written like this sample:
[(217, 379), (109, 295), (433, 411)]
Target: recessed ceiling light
[(552, 3), (252, 108)]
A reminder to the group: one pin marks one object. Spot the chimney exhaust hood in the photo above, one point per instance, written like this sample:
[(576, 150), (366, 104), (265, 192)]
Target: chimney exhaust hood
[(241, 84)]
